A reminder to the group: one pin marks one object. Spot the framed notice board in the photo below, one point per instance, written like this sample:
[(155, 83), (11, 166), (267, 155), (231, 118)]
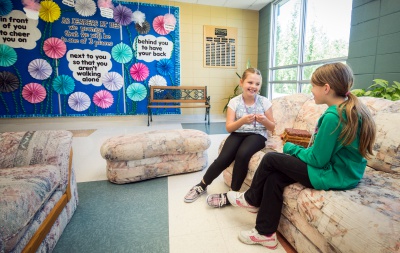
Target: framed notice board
[(220, 47)]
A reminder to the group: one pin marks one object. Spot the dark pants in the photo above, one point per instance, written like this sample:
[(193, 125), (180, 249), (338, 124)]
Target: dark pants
[(275, 172), (238, 147)]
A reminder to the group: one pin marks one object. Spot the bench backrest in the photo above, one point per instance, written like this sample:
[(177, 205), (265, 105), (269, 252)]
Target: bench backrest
[(178, 94)]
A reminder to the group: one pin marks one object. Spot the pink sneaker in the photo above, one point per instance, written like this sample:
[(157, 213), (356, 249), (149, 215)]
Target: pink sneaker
[(237, 199), (194, 194), (253, 237), (216, 200)]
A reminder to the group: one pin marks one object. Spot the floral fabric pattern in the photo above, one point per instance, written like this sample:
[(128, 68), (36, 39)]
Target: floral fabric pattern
[(152, 154), (34, 172), (363, 219), (23, 191)]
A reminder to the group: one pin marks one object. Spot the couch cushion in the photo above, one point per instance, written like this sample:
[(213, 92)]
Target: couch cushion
[(23, 192), (308, 115), (285, 110), (154, 143), (122, 172), (375, 105), (342, 217), (387, 145), (19, 149)]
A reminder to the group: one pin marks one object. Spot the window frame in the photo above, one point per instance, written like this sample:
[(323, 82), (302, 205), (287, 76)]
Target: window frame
[(300, 59)]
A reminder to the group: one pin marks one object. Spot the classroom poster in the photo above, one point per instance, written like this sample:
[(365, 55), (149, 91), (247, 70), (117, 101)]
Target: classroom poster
[(85, 57)]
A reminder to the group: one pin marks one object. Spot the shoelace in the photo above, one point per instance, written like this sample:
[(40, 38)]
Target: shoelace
[(222, 200), (198, 189)]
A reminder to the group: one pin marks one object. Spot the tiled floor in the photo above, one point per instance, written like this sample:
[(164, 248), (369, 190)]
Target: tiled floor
[(193, 227)]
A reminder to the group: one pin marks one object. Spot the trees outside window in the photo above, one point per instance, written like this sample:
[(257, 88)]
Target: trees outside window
[(305, 35)]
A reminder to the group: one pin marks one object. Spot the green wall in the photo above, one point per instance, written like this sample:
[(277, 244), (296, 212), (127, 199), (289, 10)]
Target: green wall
[(374, 47)]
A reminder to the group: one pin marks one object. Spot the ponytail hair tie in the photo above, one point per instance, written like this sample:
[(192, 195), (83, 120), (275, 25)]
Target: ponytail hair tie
[(347, 94)]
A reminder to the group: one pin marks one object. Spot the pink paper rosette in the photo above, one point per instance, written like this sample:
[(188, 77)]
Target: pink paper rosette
[(139, 71), (103, 99), (158, 25), (54, 48), (34, 93), (169, 22)]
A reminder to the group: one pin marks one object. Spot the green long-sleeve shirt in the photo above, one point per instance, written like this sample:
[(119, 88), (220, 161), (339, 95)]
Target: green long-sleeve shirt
[(330, 164)]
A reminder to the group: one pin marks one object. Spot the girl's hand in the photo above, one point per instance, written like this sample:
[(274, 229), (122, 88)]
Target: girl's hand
[(248, 119), (260, 118)]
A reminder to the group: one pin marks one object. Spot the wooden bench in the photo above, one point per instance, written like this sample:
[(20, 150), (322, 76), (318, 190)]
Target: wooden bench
[(178, 97)]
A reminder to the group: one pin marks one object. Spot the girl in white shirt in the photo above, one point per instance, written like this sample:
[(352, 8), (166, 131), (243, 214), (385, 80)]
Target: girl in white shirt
[(249, 116)]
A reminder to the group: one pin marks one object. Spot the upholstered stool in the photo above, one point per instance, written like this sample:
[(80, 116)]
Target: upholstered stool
[(146, 155)]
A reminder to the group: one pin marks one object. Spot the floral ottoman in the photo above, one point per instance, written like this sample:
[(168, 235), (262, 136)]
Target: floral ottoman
[(152, 154)]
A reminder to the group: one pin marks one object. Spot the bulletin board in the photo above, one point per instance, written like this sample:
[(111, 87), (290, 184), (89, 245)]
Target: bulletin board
[(220, 46), (85, 57)]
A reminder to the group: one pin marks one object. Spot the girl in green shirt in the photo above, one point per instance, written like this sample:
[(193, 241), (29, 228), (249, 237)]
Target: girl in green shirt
[(343, 138)]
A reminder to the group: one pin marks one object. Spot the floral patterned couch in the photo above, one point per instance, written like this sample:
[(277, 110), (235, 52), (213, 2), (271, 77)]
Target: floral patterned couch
[(38, 193), (365, 219)]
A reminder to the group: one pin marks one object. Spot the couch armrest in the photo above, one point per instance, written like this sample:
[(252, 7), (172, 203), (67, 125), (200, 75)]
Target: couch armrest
[(37, 147)]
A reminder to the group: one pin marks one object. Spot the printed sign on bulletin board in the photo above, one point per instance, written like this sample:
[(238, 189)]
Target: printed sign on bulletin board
[(85, 57), (220, 46)]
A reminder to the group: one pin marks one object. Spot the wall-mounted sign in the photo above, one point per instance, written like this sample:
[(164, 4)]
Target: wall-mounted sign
[(220, 46)]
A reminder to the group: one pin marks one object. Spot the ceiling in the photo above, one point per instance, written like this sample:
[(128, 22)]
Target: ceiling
[(239, 4)]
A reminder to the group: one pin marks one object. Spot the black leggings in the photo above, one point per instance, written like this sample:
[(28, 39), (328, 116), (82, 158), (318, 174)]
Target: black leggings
[(275, 172), (238, 147)]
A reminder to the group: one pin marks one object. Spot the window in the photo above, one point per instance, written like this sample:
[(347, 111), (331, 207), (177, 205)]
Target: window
[(305, 35)]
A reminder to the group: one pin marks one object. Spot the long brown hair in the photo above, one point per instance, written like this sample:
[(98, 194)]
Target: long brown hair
[(339, 76)]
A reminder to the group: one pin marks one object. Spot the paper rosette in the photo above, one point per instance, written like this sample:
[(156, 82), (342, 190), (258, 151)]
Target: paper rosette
[(64, 84), (103, 99), (113, 81), (5, 7), (79, 101), (144, 28), (31, 13), (139, 71), (8, 82), (8, 56), (136, 92), (105, 4), (164, 67), (34, 93), (122, 15), (169, 22), (54, 48), (40, 69), (85, 8), (138, 17), (49, 11), (158, 25), (33, 5), (157, 80), (121, 53)]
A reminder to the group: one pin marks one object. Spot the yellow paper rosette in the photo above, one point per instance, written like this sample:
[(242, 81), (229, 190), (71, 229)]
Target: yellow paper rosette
[(49, 11)]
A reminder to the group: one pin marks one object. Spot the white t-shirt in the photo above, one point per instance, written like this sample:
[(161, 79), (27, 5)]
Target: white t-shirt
[(261, 105)]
